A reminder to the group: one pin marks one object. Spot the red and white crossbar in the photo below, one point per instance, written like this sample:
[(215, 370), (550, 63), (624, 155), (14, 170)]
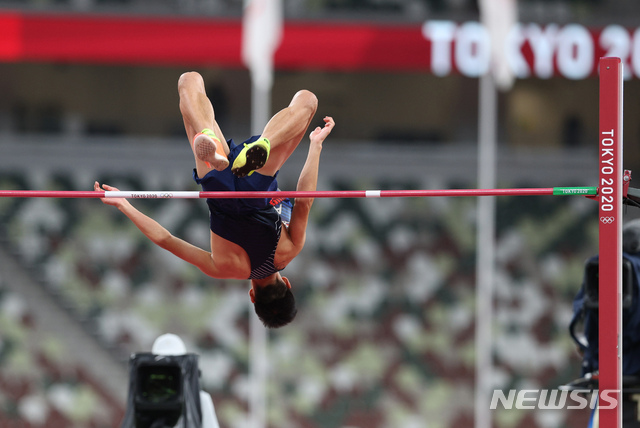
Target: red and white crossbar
[(558, 191), (610, 241)]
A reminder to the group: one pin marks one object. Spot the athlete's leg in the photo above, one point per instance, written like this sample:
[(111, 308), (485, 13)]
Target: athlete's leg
[(286, 129), (197, 114)]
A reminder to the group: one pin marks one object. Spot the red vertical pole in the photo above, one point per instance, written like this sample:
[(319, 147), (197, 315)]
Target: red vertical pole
[(610, 243)]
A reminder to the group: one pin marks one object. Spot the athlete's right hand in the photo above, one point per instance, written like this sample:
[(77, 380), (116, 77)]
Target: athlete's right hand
[(116, 202)]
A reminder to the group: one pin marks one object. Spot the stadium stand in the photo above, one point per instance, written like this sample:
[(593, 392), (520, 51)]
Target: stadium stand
[(385, 334)]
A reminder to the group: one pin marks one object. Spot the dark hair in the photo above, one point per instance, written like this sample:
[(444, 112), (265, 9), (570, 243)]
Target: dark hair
[(274, 304)]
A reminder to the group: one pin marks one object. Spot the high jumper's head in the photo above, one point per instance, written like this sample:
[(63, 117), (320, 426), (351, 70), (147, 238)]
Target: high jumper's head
[(273, 300)]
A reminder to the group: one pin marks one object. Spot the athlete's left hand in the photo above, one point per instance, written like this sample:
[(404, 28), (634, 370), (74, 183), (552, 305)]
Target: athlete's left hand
[(318, 135)]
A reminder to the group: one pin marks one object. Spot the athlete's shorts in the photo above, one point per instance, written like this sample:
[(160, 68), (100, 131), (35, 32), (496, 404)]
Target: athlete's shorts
[(220, 181)]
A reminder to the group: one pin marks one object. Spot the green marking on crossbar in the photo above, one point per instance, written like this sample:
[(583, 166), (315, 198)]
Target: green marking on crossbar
[(587, 191)]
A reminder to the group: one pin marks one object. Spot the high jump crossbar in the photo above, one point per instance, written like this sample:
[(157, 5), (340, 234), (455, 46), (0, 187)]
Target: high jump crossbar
[(557, 191)]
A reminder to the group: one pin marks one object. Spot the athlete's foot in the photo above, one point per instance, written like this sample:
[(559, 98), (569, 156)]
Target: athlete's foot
[(209, 149), (253, 156)]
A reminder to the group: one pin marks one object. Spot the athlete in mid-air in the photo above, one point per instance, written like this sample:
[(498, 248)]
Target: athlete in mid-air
[(247, 237)]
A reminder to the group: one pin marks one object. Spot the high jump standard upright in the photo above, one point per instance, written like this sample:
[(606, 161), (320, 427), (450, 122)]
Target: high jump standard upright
[(609, 198)]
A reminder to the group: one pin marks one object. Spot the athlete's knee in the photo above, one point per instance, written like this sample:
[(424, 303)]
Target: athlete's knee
[(306, 99), (190, 79)]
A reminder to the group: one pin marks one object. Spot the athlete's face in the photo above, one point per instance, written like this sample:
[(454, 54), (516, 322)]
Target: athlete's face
[(278, 277)]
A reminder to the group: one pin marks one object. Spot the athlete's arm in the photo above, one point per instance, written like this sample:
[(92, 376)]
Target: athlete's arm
[(308, 181), (160, 236)]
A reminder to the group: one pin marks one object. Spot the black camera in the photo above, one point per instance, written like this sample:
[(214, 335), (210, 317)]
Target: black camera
[(159, 399), (592, 281), (164, 392)]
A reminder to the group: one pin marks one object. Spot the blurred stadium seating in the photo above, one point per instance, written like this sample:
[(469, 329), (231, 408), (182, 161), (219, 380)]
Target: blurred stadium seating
[(388, 10), (385, 333)]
